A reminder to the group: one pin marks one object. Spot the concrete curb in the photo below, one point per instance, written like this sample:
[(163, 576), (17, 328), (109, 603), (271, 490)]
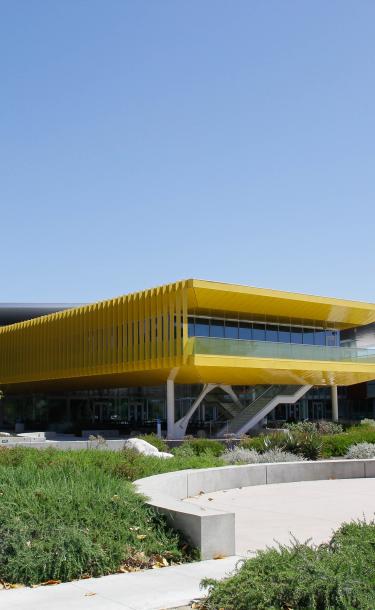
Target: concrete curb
[(213, 531)]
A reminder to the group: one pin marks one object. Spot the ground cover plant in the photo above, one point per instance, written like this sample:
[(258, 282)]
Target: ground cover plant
[(240, 455), (362, 451), (337, 576), (69, 514)]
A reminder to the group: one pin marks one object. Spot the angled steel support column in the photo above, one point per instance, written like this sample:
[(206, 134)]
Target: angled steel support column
[(181, 425), (335, 403)]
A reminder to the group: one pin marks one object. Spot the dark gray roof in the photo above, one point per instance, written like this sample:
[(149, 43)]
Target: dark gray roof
[(19, 312)]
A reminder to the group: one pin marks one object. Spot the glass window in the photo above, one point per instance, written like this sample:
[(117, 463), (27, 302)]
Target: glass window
[(272, 332), (259, 332), (308, 336), (296, 334), (217, 328), (245, 331), (202, 327), (191, 327), (332, 338), (231, 329), (284, 334), (320, 337)]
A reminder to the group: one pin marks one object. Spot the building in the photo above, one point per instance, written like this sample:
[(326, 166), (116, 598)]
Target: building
[(196, 354)]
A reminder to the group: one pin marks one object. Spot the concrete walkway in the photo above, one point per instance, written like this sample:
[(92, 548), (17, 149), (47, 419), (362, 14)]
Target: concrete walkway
[(149, 590), (311, 509)]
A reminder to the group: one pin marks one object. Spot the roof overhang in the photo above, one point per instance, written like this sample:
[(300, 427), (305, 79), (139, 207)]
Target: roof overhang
[(216, 296)]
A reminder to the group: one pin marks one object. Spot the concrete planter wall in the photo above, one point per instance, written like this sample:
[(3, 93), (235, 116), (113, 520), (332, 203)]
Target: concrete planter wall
[(213, 531)]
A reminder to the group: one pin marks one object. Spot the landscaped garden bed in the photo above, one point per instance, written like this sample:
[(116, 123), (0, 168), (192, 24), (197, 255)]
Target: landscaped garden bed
[(73, 514)]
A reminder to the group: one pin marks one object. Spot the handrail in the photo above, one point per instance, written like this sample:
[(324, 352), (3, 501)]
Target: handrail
[(270, 349)]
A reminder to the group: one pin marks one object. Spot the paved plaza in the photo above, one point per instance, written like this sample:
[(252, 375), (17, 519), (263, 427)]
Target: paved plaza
[(310, 509)]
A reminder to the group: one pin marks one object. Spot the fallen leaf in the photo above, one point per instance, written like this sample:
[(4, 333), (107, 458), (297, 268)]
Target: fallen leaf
[(50, 582), (89, 593), (17, 586)]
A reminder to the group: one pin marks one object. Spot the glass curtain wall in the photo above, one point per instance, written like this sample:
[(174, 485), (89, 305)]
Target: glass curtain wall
[(200, 326)]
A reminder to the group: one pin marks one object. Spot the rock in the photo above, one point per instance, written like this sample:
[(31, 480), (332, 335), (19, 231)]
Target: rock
[(163, 454), (145, 448), (140, 446)]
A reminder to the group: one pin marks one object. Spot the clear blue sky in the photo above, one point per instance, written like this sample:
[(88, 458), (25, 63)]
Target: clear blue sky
[(143, 142)]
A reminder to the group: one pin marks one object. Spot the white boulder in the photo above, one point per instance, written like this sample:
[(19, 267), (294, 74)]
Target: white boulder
[(145, 448), (163, 454)]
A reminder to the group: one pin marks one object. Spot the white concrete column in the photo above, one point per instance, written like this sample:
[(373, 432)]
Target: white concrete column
[(170, 408), (335, 403)]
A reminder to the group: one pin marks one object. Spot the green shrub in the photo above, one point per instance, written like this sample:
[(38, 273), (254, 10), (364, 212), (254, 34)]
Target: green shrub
[(337, 576), (320, 427), (300, 426), (252, 442), (338, 445), (183, 451), (329, 427), (154, 440), (204, 445), (309, 445), (370, 423), (305, 444), (66, 514)]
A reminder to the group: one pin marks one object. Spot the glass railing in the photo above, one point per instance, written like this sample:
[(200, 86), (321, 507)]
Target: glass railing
[(268, 349)]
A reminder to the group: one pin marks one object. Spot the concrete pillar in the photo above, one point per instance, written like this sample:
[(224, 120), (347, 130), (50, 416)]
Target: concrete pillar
[(170, 408), (335, 403)]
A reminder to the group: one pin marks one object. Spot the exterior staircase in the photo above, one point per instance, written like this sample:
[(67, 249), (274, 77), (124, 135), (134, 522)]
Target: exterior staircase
[(251, 415)]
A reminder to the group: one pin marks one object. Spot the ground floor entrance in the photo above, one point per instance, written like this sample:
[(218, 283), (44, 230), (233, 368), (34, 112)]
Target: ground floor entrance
[(140, 408)]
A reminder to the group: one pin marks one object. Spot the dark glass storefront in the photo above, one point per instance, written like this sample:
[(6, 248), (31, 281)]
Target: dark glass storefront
[(137, 409)]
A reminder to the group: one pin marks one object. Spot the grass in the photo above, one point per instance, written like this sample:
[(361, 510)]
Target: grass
[(64, 515), (337, 576)]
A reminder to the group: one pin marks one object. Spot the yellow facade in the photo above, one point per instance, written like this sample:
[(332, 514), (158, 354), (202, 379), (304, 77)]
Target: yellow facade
[(142, 339)]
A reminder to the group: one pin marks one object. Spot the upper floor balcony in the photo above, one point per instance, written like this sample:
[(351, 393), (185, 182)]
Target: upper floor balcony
[(276, 350)]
